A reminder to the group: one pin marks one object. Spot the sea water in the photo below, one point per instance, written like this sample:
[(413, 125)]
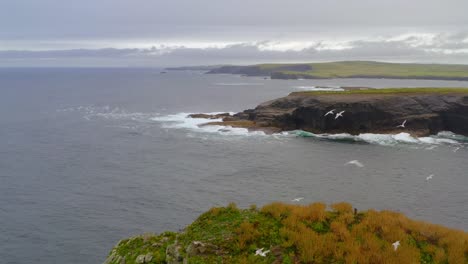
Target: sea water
[(92, 156)]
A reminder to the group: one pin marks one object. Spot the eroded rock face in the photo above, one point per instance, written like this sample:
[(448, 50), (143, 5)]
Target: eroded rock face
[(173, 254), (197, 248), (364, 113), (142, 259)]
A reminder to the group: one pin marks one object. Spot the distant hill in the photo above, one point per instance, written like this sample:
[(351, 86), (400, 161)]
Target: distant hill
[(350, 69), (194, 68)]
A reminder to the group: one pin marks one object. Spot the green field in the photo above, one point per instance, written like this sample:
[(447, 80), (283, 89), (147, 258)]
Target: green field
[(367, 69), (420, 90)]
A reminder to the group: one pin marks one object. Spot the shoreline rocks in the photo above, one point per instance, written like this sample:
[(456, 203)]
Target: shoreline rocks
[(425, 113)]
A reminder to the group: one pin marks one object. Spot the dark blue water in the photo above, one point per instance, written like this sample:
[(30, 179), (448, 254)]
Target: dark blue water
[(91, 156)]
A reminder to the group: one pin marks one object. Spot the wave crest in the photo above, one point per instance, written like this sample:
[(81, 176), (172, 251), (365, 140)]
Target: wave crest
[(389, 139), (183, 121)]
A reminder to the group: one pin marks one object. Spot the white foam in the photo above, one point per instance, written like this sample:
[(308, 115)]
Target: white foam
[(381, 139), (406, 138), (315, 88), (183, 121), (107, 112)]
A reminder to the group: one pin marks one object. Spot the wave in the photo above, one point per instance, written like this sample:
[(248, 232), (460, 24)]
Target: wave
[(389, 139), (183, 121), (319, 88), (107, 112)]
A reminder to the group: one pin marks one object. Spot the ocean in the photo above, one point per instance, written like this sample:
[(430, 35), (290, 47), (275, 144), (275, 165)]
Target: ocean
[(92, 156)]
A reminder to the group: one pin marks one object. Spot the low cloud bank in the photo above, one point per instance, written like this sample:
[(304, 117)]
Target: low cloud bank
[(426, 48)]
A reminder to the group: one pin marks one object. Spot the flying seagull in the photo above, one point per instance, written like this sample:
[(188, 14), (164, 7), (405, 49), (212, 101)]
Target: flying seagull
[(297, 199), (331, 112), (402, 124), (260, 252), (429, 177), (396, 245), (339, 114), (355, 162)]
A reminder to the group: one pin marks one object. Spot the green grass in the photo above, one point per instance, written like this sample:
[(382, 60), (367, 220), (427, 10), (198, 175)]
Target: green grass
[(387, 91), (129, 249), (370, 69), (303, 234)]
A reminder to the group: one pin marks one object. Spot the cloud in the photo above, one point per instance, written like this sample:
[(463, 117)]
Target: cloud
[(416, 47), (210, 19)]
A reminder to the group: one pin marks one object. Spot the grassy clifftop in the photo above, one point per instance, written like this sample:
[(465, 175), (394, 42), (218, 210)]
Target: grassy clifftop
[(352, 69), (298, 234), (347, 69)]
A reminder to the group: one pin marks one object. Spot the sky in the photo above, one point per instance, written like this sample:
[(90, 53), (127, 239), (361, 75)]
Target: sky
[(154, 33)]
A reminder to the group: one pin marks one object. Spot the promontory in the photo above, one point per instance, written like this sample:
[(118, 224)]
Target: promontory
[(418, 111)]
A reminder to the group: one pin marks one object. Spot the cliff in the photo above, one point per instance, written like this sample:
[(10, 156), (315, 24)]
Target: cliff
[(426, 111), (281, 233), (351, 69)]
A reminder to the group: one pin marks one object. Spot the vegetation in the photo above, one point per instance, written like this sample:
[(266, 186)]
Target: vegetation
[(421, 90), (367, 69), (301, 234)]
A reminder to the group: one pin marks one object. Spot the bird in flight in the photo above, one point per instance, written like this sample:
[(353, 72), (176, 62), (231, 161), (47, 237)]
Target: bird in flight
[(260, 252), (297, 199), (456, 149), (355, 162), (402, 124), (331, 112), (340, 114), (396, 245), (429, 177)]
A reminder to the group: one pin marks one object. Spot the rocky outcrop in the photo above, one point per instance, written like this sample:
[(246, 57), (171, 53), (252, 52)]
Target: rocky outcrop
[(208, 116), (425, 113), (142, 259)]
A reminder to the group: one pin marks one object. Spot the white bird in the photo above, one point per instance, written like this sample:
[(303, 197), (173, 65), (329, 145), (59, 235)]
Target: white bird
[(260, 252), (298, 199), (396, 245), (429, 177), (456, 149), (402, 124), (331, 112), (339, 114), (355, 162)]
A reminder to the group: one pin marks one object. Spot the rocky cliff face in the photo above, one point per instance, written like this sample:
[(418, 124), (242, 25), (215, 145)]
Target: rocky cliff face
[(425, 114)]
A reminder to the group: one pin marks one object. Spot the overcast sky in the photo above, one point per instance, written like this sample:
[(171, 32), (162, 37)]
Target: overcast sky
[(194, 32)]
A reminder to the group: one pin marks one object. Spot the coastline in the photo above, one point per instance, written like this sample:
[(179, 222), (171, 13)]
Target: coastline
[(427, 111)]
